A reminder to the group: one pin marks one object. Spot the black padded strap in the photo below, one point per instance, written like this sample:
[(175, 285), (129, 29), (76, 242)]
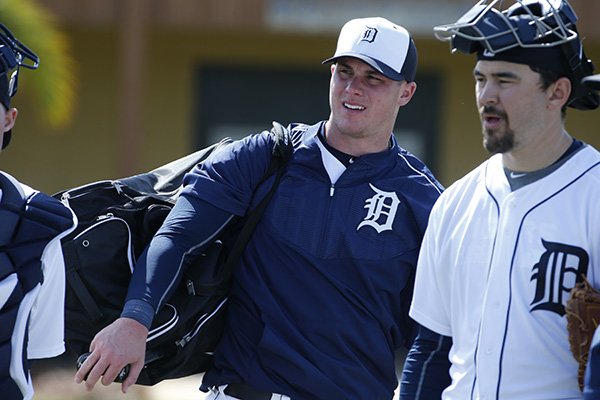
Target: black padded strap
[(282, 152), (79, 288)]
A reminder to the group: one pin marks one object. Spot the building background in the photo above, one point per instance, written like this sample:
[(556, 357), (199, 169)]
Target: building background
[(158, 79)]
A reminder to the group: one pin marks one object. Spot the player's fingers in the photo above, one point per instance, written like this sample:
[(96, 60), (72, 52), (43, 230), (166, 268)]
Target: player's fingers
[(111, 373), (95, 374), (84, 369), (134, 372)]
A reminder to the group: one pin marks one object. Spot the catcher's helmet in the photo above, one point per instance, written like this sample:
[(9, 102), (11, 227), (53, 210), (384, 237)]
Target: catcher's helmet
[(593, 82), (539, 33), (13, 55)]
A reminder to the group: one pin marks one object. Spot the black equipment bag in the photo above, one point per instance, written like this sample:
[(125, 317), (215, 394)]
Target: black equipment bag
[(117, 220)]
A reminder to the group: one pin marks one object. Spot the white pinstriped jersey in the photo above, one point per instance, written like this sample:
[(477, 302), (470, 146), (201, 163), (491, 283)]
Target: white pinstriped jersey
[(495, 271)]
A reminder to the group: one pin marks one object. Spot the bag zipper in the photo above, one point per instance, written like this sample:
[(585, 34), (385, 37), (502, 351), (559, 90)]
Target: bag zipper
[(84, 189), (199, 324)]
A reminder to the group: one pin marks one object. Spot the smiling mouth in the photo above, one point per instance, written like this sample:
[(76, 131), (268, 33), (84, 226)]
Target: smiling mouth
[(353, 107)]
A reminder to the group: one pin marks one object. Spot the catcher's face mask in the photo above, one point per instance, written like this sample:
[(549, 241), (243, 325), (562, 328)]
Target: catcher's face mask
[(593, 82), (527, 23), (539, 33), (13, 54)]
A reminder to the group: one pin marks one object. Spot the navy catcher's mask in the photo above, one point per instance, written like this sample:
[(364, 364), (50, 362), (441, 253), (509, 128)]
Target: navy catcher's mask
[(593, 82), (538, 33), (13, 54)]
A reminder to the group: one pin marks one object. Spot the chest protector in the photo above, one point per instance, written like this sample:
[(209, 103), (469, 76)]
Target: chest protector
[(27, 225)]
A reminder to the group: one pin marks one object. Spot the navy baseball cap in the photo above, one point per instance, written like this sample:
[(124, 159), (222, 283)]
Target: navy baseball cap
[(383, 45), (5, 100)]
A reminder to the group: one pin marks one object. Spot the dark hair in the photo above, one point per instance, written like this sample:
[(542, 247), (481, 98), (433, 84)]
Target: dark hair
[(547, 78)]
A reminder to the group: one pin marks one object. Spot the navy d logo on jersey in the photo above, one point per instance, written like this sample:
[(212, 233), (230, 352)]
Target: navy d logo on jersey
[(560, 265), (381, 210)]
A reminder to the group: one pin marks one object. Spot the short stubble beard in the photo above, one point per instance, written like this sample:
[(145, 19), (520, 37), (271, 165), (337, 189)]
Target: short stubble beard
[(498, 141)]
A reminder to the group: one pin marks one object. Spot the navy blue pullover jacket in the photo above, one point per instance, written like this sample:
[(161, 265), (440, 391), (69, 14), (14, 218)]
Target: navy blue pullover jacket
[(320, 299)]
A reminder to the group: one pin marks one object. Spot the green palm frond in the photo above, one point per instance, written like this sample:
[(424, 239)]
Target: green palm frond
[(53, 84)]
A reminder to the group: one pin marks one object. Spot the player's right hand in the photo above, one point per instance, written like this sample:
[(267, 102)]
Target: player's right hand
[(119, 344)]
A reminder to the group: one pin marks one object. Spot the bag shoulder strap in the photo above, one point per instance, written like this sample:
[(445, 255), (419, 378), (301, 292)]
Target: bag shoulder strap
[(282, 153)]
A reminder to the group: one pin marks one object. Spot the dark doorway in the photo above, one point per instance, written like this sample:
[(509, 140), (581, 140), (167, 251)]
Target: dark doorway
[(236, 102)]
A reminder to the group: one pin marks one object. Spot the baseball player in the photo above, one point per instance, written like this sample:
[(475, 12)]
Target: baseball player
[(320, 297), (32, 281), (506, 243), (591, 390)]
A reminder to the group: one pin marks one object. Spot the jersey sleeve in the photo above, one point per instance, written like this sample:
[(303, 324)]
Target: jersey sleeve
[(426, 368), (431, 304), (592, 372), (216, 190), (189, 229), (228, 178), (46, 324)]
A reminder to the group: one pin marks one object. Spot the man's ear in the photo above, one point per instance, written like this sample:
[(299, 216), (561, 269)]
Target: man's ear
[(406, 93), (10, 117), (559, 92)]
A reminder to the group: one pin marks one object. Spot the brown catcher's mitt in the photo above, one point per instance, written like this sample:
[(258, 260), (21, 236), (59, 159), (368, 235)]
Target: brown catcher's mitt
[(583, 316)]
